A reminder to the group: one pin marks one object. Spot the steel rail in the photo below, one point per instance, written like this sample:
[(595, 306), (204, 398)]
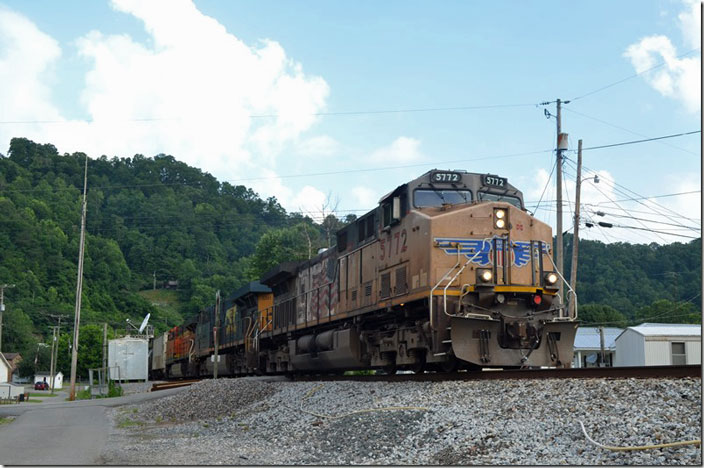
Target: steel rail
[(648, 372)]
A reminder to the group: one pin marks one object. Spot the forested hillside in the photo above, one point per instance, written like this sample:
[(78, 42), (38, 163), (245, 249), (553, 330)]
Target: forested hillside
[(157, 219)]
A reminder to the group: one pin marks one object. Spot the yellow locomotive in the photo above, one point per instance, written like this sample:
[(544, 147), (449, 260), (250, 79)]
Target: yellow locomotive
[(448, 271)]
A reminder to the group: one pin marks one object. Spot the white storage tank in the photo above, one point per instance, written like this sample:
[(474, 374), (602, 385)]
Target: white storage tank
[(128, 358)]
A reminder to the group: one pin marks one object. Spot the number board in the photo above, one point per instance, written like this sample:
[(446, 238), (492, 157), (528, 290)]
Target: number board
[(443, 176), (495, 181)]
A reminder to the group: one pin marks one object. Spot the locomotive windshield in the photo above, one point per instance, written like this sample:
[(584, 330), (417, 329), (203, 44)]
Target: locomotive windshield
[(488, 196), (428, 197)]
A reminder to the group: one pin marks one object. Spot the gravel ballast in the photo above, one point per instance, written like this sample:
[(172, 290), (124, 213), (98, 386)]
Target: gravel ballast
[(257, 421)]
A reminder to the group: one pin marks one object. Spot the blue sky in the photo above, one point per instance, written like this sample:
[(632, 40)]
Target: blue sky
[(84, 74)]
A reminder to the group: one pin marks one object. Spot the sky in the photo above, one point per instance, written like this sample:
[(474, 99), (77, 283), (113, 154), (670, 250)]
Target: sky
[(330, 105)]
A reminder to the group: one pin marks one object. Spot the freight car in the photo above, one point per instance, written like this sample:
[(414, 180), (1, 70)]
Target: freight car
[(449, 270)]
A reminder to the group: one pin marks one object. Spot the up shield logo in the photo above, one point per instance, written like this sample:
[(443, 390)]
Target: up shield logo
[(481, 251)]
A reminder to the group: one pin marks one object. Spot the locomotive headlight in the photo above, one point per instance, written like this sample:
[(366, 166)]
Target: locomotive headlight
[(500, 218), (484, 275), (551, 278)]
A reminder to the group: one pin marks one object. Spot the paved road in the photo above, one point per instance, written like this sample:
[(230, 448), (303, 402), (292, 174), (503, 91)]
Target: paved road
[(55, 436), (61, 433)]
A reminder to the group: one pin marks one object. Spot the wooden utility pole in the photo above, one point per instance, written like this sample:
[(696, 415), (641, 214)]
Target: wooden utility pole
[(53, 359), (216, 322), (2, 306), (105, 347), (575, 238), (79, 289), (558, 240), (603, 350), (55, 349)]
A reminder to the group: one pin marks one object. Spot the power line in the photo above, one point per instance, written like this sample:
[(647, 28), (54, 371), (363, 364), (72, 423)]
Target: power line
[(616, 188), (312, 174), (641, 141), (546, 185), (631, 76), (348, 171), (627, 130), (266, 116)]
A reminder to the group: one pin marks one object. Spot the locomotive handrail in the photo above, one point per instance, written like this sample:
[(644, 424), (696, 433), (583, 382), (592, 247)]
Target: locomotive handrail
[(574, 294), (444, 291), (432, 325)]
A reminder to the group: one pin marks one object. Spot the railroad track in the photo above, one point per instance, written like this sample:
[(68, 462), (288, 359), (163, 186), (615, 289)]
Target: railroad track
[(175, 384), (649, 372)]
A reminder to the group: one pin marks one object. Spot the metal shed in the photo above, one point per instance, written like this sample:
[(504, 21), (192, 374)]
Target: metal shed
[(659, 344), (128, 358), (587, 346)]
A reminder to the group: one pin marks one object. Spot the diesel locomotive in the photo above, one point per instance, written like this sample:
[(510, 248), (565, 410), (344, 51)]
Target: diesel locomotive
[(448, 271)]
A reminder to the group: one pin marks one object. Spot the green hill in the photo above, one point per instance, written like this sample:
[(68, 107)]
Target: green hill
[(159, 217)]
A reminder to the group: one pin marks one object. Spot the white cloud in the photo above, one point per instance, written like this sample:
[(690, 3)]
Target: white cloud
[(197, 85), (364, 198), (322, 145), (691, 23), (402, 150), (679, 78), (312, 202), (27, 57)]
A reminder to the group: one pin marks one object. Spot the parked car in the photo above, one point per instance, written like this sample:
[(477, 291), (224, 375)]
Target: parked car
[(41, 386)]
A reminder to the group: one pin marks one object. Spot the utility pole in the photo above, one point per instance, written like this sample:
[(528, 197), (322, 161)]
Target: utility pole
[(79, 290), (575, 238), (53, 359), (558, 240), (105, 345), (603, 352), (2, 307), (216, 322), (55, 349)]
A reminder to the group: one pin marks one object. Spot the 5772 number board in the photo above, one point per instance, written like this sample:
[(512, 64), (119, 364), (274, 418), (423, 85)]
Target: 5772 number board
[(494, 180), (445, 176)]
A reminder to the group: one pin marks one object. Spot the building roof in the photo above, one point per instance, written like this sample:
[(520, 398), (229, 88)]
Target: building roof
[(667, 329), (47, 374), (589, 338), (2, 359), (11, 356)]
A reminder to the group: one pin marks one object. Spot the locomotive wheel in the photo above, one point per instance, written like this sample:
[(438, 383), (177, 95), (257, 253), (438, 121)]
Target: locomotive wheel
[(389, 369), (450, 365), (419, 366)]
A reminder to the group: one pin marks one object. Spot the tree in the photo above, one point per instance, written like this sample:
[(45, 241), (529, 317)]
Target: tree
[(283, 245), (664, 311), (600, 314)]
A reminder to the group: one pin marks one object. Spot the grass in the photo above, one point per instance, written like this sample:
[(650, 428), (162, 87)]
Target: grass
[(43, 395), (4, 420), (127, 422), (166, 301)]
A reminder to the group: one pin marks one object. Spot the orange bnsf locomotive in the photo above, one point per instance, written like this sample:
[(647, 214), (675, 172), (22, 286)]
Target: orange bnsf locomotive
[(448, 271)]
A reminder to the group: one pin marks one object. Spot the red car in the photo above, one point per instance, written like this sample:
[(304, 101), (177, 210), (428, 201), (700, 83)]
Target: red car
[(41, 386)]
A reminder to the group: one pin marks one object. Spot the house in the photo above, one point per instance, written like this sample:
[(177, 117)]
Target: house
[(587, 346), (46, 376), (659, 344), (14, 359), (5, 369)]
